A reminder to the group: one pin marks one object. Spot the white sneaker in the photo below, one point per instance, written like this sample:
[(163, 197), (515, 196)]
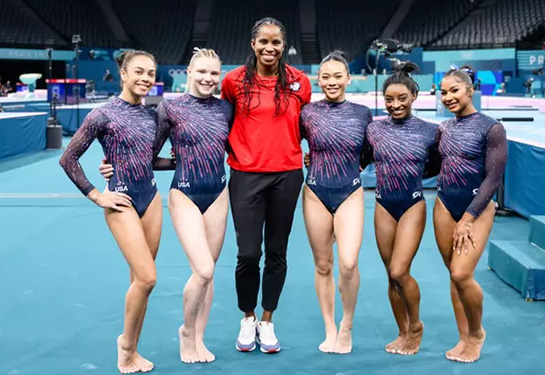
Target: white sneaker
[(266, 338), (246, 337)]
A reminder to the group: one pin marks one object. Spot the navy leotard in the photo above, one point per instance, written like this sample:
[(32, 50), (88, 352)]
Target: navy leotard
[(126, 133), (400, 149), (335, 133), (474, 152), (198, 130)]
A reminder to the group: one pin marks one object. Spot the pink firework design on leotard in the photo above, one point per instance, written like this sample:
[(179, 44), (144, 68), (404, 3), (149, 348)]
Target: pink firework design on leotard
[(126, 133), (335, 133), (400, 150), (462, 148), (198, 129)]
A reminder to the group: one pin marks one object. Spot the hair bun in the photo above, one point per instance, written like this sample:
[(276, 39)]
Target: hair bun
[(339, 53), (408, 67), (119, 59), (469, 71)]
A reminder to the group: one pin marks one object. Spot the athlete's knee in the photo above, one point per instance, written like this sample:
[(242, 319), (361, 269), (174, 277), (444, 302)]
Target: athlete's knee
[(324, 267), (398, 274), (348, 268), (147, 280), (460, 277), (205, 274)]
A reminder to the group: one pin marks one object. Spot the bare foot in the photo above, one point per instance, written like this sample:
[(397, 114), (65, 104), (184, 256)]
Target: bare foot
[(203, 354), (145, 365), (472, 350), (395, 345), (453, 353), (188, 350), (412, 341), (343, 345), (127, 361), (328, 346)]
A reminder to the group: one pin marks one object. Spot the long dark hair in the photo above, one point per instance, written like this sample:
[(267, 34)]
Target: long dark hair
[(402, 77), (249, 80)]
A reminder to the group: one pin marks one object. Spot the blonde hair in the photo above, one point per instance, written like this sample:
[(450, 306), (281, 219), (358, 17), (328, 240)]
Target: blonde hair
[(197, 54)]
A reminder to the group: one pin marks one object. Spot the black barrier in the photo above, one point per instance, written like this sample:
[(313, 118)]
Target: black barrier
[(53, 134), (516, 119)]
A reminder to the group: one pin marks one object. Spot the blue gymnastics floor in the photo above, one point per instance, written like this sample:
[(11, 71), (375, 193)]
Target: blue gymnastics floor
[(63, 281)]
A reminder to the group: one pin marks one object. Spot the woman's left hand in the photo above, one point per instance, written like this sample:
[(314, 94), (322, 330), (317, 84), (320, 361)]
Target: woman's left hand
[(306, 159), (463, 237)]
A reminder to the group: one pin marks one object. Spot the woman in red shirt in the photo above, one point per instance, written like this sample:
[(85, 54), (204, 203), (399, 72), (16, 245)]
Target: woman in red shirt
[(266, 173)]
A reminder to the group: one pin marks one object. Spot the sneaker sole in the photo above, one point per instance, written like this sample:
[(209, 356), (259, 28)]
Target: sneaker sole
[(267, 351), (245, 350), (270, 351)]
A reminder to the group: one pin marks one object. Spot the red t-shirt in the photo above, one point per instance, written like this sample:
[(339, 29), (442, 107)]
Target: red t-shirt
[(260, 141)]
